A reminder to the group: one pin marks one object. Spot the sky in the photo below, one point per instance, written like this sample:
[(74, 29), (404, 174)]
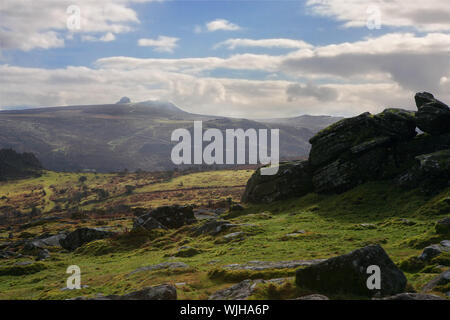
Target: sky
[(238, 58)]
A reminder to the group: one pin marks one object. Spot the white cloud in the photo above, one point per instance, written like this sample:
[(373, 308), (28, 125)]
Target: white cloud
[(108, 37), (232, 44), (414, 62), (430, 16), (29, 24), (161, 44), (221, 24)]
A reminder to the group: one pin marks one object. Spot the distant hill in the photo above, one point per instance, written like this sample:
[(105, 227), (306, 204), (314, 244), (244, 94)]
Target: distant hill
[(128, 135), (15, 165)]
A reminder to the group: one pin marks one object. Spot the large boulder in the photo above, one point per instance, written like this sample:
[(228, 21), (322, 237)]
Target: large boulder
[(359, 133), (81, 236), (359, 149), (166, 217), (433, 116), (292, 180), (348, 274)]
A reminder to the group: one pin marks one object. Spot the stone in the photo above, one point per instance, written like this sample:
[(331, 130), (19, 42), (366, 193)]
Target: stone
[(433, 116), (161, 292), (348, 274), (442, 279), (213, 227), (432, 251), (234, 236), (42, 255), (169, 217), (443, 226), (293, 179), (265, 265), (48, 241), (445, 243), (148, 223), (163, 266), (240, 291), (81, 236)]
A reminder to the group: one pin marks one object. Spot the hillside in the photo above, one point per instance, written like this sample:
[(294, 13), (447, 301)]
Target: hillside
[(14, 165), (373, 194), (122, 136), (301, 229)]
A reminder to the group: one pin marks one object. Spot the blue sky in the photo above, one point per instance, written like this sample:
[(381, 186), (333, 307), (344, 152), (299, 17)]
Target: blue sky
[(322, 57)]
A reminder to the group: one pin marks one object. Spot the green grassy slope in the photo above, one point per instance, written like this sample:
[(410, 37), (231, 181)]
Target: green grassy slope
[(333, 225)]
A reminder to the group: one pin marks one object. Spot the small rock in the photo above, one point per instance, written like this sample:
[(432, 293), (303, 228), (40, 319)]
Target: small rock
[(234, 236), (213, 227), (43, 254), (161, 292), (240, 291), (432, 251), (445, 243), (81, 236)]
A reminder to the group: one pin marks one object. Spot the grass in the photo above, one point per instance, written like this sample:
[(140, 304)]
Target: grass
[(332, 226)]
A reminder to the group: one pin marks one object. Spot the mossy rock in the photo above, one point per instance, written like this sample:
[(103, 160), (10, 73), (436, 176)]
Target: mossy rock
[(412, 264)]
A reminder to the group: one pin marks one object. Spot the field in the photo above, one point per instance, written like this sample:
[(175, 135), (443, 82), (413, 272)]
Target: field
[(311, 227)]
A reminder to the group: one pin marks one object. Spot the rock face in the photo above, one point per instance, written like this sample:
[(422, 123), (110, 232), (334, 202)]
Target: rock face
[(359, 149), (433, 116), (292, 180), (368, 148), (81, 236), (348, 274), (166, 217)]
